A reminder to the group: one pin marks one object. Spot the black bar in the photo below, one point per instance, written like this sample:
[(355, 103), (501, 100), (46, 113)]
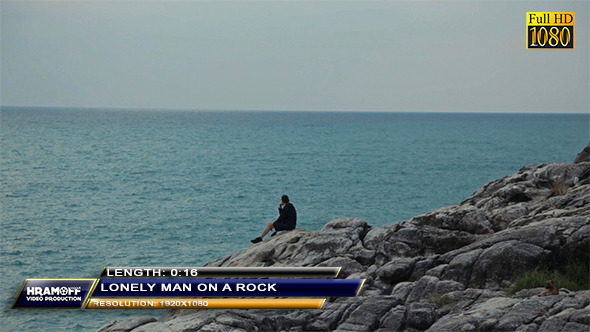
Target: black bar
[(558, 44), (219, 272)]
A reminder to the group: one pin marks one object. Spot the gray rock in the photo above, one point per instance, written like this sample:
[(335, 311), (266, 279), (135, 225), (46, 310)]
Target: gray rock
[(346, 224), (367, 315), (235, 321), (401, 291), (348, 327), (397, 270), (423, 289), (487, 311), (331, 314), (447, 286), (575, 327), (348, 266), (365, 256), (465, 218), (490, 324), (459, 258), (107, 327), (437, 271), (422, 315), (528, 328), (452, 297), (396, 240), (558, 321), (217, 327), (459, 269), (127, 325), (581, 316), (583, 296), (583, 156), (529, 292), (506, 261), (526, 312), (152, 327), (552, 325), (540, 320), (192, 322), (424, 265), (394, 320), (567, 303)]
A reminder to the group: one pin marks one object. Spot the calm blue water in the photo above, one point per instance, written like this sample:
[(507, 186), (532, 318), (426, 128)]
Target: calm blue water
[(83, 189)]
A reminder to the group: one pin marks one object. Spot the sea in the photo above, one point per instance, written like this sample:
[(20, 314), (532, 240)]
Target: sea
[(81, 189)]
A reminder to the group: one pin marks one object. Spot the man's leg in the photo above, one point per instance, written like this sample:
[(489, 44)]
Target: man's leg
[(268, 228)]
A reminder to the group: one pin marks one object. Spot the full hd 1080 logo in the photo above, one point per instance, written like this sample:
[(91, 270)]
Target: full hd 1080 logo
[(550, 30)]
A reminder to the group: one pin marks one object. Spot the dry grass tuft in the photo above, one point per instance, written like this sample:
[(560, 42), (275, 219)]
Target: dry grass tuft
[(558, 189)]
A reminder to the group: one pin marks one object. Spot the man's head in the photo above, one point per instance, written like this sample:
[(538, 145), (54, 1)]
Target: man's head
[(285, 199)]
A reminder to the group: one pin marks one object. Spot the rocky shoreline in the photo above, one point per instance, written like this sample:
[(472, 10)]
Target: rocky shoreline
[(446, 270)]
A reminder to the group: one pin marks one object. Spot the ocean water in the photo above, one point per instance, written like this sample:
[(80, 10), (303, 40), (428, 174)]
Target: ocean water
[(81, 189)]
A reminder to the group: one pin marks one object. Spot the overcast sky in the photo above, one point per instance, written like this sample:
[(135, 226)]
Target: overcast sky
[(290, 55)]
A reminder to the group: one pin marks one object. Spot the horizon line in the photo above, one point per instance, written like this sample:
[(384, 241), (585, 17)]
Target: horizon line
[(115, 108)]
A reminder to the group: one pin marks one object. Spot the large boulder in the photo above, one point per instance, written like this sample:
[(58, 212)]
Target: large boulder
[(583, 156), (446, 270)]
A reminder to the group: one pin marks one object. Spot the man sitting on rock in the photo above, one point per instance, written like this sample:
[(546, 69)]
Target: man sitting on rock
[(286, 221)]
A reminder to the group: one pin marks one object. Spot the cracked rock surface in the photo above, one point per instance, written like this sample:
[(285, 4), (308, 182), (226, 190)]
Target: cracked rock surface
[(446, 270)]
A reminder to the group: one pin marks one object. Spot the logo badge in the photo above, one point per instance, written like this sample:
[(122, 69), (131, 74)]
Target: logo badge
[(54, 293), (550, 29)]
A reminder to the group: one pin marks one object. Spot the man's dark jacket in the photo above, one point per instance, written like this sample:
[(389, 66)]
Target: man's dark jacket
[(287, 216)]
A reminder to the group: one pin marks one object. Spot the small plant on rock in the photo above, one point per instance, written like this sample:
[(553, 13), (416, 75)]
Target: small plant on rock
[(558, 189), (573, 276)]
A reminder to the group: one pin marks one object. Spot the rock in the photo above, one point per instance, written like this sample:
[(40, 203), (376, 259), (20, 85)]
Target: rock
[(216, 327), (567, 303), (526, 312), (422, 315), (445, 270), (575, 327), (423, 289), (127, 325), (401, 291), (459, 268), (191, 322), (447, 286), (365, 256), (437, 271), (152, 327), (348, 266), (506, 261), (424, 265), (466, 218), (552, 325), (331, 314), (581, 316), (527, 293), (557, 322), (394, 319), (484, 312), (397, 270), (583, 156), (366, 317), (389, 241), (234, 321)]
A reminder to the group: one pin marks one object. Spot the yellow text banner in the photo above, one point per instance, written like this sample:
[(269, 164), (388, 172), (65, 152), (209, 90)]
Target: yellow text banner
[(550, 18), (186, 303)]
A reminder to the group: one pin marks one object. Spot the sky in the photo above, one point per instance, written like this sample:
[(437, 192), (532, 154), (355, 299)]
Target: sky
[(416, 56)]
